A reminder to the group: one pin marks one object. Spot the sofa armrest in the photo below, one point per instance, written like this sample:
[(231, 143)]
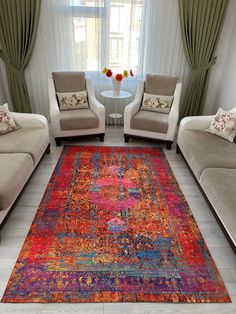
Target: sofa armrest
[(30, 120), (196, 123)]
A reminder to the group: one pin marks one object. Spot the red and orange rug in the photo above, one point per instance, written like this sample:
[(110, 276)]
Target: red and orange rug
[(114, 226)]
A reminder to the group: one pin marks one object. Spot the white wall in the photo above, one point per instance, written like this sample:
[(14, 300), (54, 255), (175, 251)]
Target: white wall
[(224, 55), (226, 94)]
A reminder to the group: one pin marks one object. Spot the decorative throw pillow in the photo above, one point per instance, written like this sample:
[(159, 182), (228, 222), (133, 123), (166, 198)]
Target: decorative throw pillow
[(7, 123), (71, 101), (156, 103), (224, 125)]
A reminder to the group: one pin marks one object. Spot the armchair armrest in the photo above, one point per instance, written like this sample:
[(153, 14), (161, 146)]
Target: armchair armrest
[(133, 107), (30, 120), (174, 112), (95, 105), (196, 123), (54, 109)]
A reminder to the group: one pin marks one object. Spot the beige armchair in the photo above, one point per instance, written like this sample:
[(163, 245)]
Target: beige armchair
[(68, 124), (149, 124)]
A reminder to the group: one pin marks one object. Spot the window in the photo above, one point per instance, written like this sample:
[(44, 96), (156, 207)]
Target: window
[(87, 50), (106, 33)]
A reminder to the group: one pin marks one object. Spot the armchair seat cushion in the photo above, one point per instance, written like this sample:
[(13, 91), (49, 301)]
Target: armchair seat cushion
[(78, 119), (150, 121)]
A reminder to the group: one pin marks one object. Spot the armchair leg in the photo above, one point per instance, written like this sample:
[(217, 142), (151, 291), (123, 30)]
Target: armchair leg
[(177, 149), (126, 138), (101, 137), (58, 141), (168, 145)]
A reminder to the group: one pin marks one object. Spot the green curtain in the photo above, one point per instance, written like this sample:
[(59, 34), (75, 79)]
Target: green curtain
[(201, 22), (18, 28)]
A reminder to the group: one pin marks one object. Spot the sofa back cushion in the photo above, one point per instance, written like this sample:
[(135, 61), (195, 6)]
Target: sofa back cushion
[(160, 84), (67, 82)]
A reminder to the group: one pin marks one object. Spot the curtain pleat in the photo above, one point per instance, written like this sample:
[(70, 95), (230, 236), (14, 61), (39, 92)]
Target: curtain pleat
[(18, 28), (161, 43), (201, 22)]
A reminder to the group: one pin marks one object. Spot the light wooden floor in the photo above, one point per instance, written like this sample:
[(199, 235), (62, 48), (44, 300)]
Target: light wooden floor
[(18, 224)]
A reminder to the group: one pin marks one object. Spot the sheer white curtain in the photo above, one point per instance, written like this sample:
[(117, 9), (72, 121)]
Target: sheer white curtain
[(161, 43), (107, 33), (53, 51), (87, 35)]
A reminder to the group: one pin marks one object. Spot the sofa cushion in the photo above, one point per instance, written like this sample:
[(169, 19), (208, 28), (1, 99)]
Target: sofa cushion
[(150, 121), (204, 150), (25, 140), (224, 125), (156, 103), (78, 119), (72, 101), (220, 186), (66, 82), (7, 123), (160, 84), (14, 171)]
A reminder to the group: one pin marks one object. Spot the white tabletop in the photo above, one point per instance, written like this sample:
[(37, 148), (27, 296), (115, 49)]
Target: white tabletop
[(109, 94)]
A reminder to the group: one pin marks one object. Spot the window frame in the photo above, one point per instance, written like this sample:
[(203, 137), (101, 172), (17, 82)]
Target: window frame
[(102, 12)]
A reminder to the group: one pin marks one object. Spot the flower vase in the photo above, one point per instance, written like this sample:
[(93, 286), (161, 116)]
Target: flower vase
[(116, 87)]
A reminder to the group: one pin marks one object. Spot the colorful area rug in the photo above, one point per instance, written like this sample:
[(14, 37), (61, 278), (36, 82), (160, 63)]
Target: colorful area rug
[(114, 226)]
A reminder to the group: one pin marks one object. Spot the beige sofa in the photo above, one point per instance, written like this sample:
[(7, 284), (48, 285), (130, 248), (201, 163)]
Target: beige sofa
[(213, 162), (20, 152)]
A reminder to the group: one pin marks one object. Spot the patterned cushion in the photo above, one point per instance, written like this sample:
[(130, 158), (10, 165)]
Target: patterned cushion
[(156, 103), (224, 125), (7, 123), (70, 101)]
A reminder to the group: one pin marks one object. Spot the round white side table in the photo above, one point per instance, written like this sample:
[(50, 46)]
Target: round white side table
[(111, 95)]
